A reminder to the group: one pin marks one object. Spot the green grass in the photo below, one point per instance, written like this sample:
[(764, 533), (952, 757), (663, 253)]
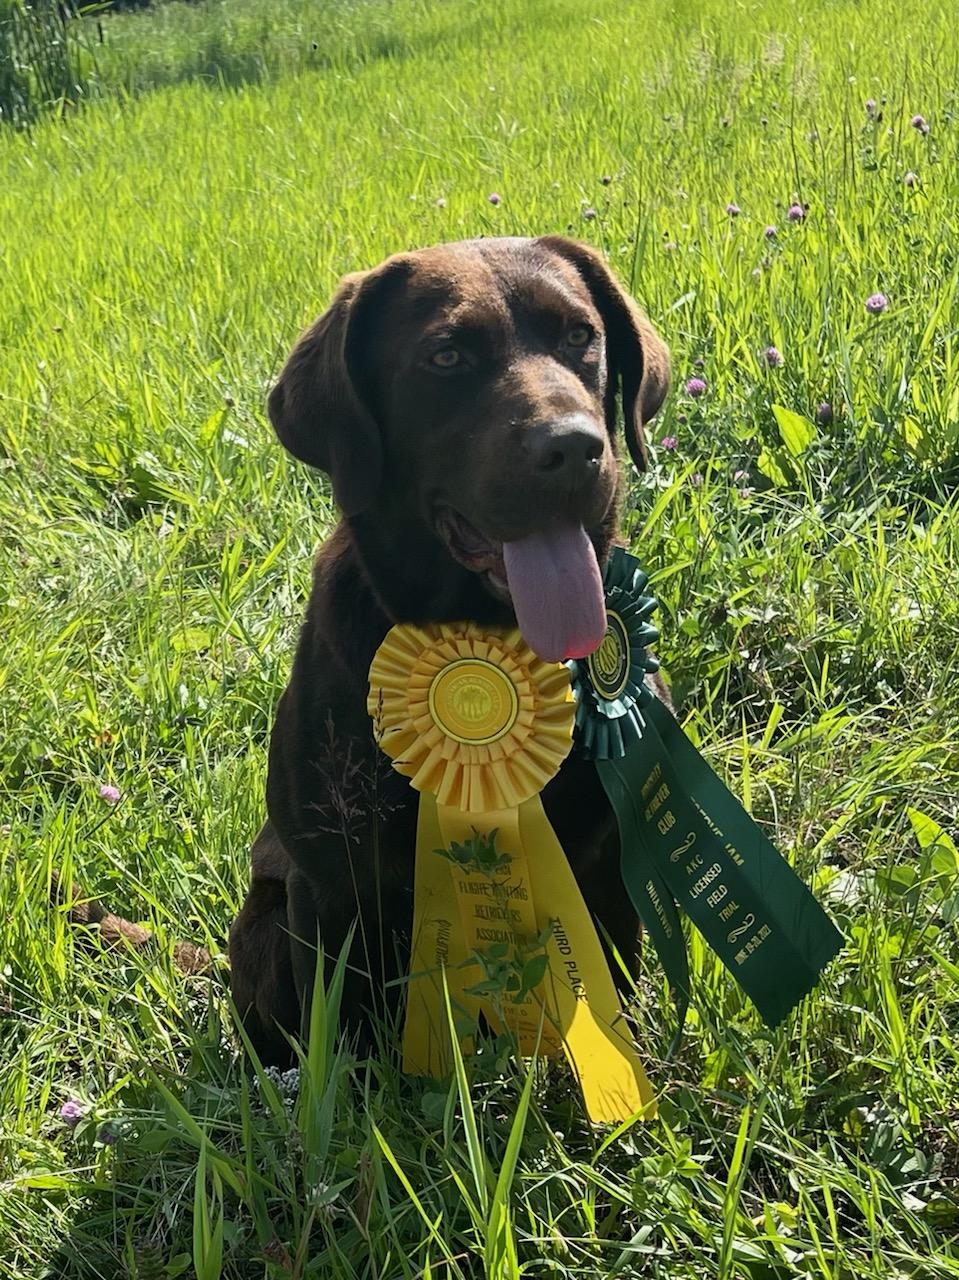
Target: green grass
[(160, 248)]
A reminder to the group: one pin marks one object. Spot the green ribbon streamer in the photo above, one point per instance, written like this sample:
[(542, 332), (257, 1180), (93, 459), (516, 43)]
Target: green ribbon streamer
[(684, 837), (649, 893), (745, 899)]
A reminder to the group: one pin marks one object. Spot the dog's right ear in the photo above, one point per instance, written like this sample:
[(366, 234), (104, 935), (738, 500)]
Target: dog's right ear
[(321, 405)]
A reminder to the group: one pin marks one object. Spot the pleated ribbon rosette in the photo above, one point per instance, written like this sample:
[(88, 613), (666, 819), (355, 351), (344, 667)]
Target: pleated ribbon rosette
[(479, 725)]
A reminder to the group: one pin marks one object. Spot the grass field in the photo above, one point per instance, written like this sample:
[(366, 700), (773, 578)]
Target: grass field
[(160, 246)]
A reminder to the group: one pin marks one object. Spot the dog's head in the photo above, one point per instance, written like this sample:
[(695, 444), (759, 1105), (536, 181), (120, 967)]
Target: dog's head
[(473, 389)]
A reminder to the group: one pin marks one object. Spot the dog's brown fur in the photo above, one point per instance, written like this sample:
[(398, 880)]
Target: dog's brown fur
[(361, 399)]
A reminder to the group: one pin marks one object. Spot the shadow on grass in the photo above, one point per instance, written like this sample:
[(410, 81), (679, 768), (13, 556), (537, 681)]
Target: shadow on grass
[(232, 46), (219, 65), (227, 44)]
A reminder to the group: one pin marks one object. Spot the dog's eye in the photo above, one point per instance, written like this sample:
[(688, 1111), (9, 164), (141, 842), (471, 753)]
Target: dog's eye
[(579, 336), (446, 358)]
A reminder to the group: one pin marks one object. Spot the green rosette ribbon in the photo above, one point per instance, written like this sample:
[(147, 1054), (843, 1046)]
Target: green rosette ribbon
[(608, 704), (684, 837)]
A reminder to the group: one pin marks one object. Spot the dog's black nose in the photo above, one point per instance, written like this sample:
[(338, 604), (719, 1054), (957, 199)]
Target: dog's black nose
[(569, 448)]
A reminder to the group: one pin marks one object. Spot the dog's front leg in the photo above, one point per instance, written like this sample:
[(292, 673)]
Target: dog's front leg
[(374, 938)]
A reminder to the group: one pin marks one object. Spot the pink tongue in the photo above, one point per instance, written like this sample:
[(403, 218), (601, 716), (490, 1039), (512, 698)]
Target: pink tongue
[(557, 592)]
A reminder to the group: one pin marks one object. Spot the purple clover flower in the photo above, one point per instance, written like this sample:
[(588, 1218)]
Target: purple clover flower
[(919, 122), (795, 212), (824, 414), (876, 304), (733, 209), (696, 479), (669, 443), (870, 106), (773, 357), (494, 198), (696, 387), (72, 1112), (770, 232), (109, 793)]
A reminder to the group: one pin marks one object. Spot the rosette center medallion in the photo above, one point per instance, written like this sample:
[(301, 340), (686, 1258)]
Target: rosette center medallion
[(473, 702), (609, 665)]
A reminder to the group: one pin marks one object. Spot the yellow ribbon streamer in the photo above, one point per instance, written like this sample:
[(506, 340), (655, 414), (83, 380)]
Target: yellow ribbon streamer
[(479, 725)]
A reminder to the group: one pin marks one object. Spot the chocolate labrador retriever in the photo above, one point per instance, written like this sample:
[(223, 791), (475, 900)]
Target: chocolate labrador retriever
[(463, 400)]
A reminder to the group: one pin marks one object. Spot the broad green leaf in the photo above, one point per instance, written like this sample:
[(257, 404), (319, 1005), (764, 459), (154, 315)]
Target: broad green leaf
[(942, 856), (191, 640), (797, 432), (931, 835), (775, 467)]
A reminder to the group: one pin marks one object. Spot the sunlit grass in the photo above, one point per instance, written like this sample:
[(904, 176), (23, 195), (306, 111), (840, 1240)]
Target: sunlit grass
[(159, 250)]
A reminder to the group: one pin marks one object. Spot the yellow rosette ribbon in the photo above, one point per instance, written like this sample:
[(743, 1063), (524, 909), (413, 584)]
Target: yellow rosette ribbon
[(479, 725)]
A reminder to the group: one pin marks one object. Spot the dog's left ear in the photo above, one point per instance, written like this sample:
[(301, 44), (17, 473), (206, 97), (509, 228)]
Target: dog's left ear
[(637, 357)]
